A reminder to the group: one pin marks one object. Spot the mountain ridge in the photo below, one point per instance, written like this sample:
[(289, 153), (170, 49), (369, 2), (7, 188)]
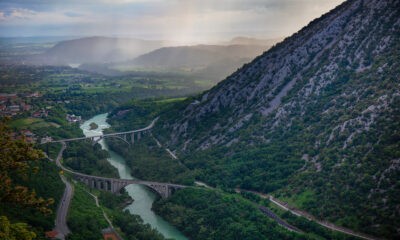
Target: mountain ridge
[(96, 49), (199, 54), (314, 120)]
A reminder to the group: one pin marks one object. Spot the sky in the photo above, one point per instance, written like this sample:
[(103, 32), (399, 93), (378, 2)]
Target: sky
[(184, 21)]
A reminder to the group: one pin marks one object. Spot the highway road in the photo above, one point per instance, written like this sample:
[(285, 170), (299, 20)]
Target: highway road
[(281, 222)]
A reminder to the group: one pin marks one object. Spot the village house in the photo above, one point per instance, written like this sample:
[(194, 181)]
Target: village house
[(8, 96), (46, 139), (13, 109), (29, 136), (72, 118), (42, 113)]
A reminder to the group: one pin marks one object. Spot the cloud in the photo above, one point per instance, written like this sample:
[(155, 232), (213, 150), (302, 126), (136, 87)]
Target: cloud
[(22, 16), (74, 14), (16, 14), (183, 20)]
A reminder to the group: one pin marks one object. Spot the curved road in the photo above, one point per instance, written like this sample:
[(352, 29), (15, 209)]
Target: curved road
[(61, 219)]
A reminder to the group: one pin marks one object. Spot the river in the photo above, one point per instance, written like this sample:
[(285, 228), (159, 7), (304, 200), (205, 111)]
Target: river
[(143, 197)]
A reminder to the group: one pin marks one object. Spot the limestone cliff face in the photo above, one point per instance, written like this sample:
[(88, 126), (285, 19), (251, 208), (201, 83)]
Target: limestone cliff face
[(304, 65), (317, 115)]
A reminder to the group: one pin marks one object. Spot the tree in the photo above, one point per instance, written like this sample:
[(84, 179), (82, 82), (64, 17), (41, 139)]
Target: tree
[(16, 231), (15, 158)]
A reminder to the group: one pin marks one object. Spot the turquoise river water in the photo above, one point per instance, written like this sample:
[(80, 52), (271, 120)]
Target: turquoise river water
[(143, 197)]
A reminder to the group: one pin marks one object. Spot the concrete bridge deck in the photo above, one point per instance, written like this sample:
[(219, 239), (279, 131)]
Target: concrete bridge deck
[(145, 129)]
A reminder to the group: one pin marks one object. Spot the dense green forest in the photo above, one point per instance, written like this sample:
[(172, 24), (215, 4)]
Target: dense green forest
[(209, 214), (87, 158)]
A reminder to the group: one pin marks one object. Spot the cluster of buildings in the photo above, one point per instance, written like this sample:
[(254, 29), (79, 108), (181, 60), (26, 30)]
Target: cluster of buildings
[(42, 113), (28, 135), (12, 104)]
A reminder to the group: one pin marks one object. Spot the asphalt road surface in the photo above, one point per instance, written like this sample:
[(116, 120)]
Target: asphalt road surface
[(61, 219)]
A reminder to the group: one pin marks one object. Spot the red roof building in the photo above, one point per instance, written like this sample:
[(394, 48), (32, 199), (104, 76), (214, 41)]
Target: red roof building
[(51, 234)]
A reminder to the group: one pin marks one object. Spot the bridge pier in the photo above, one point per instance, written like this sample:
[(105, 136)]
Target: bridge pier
[(116, 186), (97, 140)]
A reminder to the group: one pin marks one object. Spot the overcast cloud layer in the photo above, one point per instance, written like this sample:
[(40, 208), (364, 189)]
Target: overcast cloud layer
[(184, 21)]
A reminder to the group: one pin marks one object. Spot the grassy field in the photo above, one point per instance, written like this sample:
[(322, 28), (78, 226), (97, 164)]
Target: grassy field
[(32, 123), (25, 122)]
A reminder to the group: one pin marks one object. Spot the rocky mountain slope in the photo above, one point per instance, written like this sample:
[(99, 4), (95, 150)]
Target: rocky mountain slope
[(316, 120)]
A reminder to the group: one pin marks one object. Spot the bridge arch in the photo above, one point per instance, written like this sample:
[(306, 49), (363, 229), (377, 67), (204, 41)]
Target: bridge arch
[(115, 185), (120, 138)]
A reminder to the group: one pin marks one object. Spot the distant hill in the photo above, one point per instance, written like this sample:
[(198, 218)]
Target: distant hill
[(211, 61), (96, 50), (195, 56), (253, 41)]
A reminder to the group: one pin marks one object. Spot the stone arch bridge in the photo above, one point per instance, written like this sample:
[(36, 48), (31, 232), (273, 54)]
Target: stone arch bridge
[(115, 185)]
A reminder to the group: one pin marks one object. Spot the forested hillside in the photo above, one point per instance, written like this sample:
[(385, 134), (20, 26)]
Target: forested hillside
[(315, 120)]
